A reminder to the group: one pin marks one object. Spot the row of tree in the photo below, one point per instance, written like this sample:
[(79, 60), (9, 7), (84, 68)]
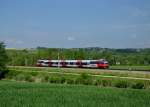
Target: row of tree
[(29, 57), (3, 57), (3, 60)]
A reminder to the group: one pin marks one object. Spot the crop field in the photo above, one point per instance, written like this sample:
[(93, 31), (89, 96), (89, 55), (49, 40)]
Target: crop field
[(24, 94)]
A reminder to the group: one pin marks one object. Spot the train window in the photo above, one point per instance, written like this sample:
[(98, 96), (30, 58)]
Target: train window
[(61, 63), (55, 63), (79, 63), (64, 63), (84, 63), (93, 62), (72, 63), (101, 62), (46, 62)]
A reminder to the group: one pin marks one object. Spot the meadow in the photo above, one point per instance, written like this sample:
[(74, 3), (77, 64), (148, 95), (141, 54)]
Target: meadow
[(95, 77), (27, 94), (131, 68), (100, 72)]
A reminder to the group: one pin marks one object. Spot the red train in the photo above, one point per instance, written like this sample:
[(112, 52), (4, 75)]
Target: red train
[(102, 63)]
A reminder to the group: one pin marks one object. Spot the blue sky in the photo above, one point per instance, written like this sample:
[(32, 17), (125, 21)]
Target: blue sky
[(75, 23)]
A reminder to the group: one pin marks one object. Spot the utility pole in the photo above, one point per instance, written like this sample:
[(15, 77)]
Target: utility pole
[(58, 58), (26, 62)]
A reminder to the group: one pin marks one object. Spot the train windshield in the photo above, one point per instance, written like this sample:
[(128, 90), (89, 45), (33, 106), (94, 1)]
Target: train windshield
[(103, 62), (40, 61)]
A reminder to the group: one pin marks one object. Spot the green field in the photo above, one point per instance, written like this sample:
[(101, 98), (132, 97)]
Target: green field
[(96, 77), (23, 94), (102, 72), (131, 68)]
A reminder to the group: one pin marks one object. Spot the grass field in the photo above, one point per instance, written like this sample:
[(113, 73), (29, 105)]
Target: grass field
[(136, 68), (23, 94), (102, 72)]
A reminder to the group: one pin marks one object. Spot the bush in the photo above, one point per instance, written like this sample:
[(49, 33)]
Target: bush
[(44, 78), (105, 82), (20, 77), (29, 78), (54, 80), (57, 80), (102, 82), (146, 84), (3, 73), (84, 76), (70, 81), (121, 84), (94, 82), (138, 85), (12, 74), (84, 79), (97, 82), (62, 79), (34, 73)]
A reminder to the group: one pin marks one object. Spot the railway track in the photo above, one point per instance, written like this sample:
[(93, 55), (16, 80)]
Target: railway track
[(82, 69)]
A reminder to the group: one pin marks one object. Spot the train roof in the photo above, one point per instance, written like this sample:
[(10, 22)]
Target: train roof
[(46, 60)]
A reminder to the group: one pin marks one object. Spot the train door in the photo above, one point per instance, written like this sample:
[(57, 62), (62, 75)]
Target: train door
[(79, 63)]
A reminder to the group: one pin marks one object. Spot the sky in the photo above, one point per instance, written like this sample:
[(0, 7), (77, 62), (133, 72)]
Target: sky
[(75, 23)]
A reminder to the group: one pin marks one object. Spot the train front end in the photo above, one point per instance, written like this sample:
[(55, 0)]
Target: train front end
[(103, 64)]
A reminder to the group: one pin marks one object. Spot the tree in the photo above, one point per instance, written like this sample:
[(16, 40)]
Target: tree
[(3, 59)]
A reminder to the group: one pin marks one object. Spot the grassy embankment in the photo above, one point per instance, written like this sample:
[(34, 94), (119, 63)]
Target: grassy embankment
[(16, 94), (131, 68), (100, 72), (103, 78)]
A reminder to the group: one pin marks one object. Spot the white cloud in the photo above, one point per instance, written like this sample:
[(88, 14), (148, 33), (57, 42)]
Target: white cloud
[(123, 26), (19, 42), (134, 36), (139, 12), (14, 41), (70, 38), (143, 44), (130, 26)]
